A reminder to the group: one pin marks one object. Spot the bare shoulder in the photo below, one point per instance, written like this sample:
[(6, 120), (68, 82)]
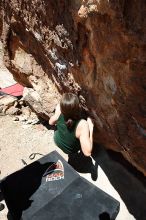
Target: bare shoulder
[(82, 126), (82, 123)]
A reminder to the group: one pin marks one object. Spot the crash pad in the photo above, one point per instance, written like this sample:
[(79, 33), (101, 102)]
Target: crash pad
[(14, 90), (50, 188)]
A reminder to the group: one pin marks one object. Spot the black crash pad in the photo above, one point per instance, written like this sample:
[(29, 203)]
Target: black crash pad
[(51, 189)]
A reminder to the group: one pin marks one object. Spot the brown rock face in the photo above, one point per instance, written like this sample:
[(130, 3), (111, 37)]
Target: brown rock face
[(95, 48)]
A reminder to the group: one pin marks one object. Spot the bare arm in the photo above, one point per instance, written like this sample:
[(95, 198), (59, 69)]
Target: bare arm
[(85, 132), (54, 118), (91, 125)]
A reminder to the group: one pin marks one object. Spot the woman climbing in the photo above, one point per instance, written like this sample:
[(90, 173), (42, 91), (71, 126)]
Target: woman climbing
[(73, 132)]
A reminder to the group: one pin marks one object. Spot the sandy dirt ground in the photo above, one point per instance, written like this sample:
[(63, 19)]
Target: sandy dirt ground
[(18, 141)]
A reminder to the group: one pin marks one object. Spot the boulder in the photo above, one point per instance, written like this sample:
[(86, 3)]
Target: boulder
[(95, 49), (7, 100)]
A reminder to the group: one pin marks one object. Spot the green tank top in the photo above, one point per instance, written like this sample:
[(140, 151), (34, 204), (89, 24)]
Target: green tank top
[(65, 138)]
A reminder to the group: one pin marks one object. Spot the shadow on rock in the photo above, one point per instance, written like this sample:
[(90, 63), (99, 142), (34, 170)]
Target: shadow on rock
[(129, 183)]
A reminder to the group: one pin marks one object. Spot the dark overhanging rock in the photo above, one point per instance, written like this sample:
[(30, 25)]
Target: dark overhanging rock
[(95, 49)]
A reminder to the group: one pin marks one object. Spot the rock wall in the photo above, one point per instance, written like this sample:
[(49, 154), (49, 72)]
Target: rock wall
[(95, 48)]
